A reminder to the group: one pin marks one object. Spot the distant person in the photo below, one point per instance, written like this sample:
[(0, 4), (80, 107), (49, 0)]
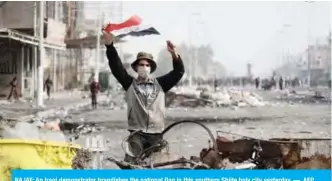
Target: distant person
[(281, 83), (13, 89), (215, 84), (296, 82), (47, 86), (257, 82), (267, 84), (273, 82), (94, 89)]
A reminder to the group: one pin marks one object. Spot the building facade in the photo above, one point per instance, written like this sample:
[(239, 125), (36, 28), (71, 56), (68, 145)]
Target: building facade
[(316, 60), (19, 21)]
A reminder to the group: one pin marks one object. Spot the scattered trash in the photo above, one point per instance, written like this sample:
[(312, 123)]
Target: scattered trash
[(205, 98)]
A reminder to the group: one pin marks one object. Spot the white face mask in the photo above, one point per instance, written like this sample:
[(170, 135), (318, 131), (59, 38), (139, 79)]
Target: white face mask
[(143, 71)]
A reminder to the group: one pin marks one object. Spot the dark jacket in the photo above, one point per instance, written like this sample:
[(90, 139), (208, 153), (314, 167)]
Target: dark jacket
[(167, 81), (146, 116), (13, 83), (48, 83), (94, 87)]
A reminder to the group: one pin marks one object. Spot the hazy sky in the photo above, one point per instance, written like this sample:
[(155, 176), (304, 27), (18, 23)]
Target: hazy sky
[(239, 32)]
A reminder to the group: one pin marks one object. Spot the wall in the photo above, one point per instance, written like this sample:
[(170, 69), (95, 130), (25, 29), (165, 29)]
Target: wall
[(56, 32), (18, 14)]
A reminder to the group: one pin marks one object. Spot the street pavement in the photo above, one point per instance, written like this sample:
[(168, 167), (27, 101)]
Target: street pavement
[(27, 108)]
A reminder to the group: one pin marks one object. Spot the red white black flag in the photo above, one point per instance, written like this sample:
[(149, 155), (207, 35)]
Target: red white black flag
[(131, 27)]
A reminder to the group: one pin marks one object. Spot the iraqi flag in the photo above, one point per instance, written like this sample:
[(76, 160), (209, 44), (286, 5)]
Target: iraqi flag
[(131, 27)]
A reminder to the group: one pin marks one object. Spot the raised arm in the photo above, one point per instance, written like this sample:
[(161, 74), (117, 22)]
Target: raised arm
[(169, 80), (119, 72)]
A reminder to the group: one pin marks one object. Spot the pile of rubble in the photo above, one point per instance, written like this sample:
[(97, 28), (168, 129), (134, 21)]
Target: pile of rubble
[(184, 97), (304, 97)]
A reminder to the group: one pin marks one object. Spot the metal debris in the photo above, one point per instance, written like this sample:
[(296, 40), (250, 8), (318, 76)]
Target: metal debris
[(280, 153), (251, 153)]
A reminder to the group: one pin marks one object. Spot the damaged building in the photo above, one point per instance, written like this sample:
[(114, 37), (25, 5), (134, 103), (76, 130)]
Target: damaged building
[(19, 43)]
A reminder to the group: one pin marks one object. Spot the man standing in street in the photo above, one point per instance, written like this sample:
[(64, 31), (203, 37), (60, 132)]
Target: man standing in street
[(215, 82), (94, 89), (281, 83), (257, 81), (47, 85), (13, 89), (145, 95)]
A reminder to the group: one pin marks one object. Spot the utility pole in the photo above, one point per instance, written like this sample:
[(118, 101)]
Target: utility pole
[(193, 18), (99, 24), (35, 57), (55, 52), (193, 50), (195, 65), (116, 15), (284, 50), (308, 53), (190, 50), (40, 99)]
